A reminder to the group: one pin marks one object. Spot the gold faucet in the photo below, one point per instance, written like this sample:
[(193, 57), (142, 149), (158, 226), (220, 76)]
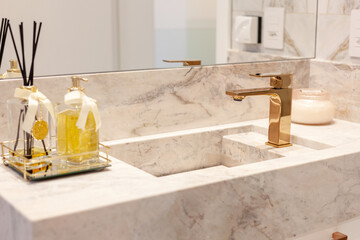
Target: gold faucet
[(280, 106)]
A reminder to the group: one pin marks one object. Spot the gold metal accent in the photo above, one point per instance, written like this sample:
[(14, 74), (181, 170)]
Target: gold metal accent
[(280, 106), (278, 146), (277, 80), (339, 236), (185, 62), (14, 66), (76, 84), (35, 167), (3, 153), (238, 98), (40, 130), (53, 165), (35, 152), (31, 88)]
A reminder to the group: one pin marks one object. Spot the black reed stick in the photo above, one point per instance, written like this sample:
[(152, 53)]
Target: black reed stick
[(33, 54), (17, 56), (27, 81), (3, 20), (18, 130), (2, 27), (3, 33), (21, 28), (35, 44)]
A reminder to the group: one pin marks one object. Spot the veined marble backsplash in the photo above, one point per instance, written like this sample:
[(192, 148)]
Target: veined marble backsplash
[(342, 7), (300, 18), (343, 83), (332, 42), (236, 56), (334, 30), (140, 103)]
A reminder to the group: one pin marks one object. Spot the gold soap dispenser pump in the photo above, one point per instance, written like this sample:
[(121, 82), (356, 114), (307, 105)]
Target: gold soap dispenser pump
[(78, 123)]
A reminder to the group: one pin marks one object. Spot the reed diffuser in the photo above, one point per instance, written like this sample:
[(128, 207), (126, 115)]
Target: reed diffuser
[(30, 112), (5, 23)]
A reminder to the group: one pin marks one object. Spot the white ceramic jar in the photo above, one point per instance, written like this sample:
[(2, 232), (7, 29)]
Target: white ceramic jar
[(312, 106)]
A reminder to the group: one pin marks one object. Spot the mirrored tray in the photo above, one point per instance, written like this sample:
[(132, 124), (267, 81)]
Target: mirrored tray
[(54, 165)]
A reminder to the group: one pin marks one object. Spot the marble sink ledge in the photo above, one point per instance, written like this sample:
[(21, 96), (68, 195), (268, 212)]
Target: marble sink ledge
[(274, 199)]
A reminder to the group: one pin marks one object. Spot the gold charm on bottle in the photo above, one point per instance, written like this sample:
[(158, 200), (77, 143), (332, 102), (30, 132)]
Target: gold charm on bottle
[(40, 128)]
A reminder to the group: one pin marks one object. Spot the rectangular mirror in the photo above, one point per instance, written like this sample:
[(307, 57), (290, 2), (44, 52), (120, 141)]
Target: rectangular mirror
[(86, 36)]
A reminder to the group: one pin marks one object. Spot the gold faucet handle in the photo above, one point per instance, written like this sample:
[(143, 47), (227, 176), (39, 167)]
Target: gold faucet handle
[(277, 80), (185, 62)]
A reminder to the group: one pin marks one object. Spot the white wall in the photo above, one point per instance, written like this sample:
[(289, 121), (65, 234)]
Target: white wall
[(184, 29), (170, 31), (153, 30), (136, 34), (223, 30), (76, 37)]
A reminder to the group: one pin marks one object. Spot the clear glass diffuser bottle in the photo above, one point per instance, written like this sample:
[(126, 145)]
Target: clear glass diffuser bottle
[(36, 141)]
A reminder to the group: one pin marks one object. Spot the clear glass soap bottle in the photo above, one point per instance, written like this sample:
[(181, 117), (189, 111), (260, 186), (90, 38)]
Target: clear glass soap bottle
[(77, 131)]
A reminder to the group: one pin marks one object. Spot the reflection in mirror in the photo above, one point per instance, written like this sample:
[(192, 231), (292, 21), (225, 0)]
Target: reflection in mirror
[(76, 36), (114, 35), (272, 30)]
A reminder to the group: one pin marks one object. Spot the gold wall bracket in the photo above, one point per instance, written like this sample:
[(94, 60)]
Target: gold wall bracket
[(185, 62), (339, 236)]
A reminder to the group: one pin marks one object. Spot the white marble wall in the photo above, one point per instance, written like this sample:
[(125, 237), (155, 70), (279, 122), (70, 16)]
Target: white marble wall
[(298, 6), (333, 69), (300, 28), (147, 102), (334, 30), (343, 83), (333, 27)]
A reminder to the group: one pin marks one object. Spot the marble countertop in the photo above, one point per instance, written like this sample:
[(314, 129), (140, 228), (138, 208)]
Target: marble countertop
[(126, 201)]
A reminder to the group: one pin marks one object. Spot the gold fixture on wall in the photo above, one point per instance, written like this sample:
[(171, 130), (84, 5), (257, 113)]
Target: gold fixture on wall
[(339, 236), (185, 62)]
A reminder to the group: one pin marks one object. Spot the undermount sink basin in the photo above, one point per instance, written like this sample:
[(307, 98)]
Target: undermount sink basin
[(189, 150)]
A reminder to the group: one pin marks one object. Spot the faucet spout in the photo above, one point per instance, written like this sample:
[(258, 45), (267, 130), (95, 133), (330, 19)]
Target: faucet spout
[(250, 92), (280, 112)]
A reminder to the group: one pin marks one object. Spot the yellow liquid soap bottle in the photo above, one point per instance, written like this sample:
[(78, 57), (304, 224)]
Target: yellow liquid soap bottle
[(78, 123)]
